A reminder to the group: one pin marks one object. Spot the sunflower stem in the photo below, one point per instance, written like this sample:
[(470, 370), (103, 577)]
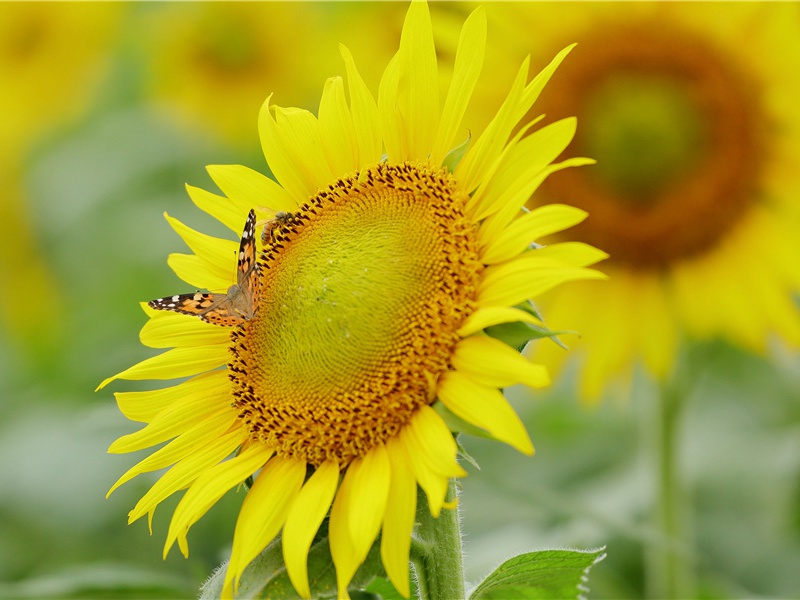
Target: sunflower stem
[(668, 571), (437, 559)]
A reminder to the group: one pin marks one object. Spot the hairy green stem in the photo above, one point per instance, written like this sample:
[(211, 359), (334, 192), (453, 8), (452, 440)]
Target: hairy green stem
[(437, 555)]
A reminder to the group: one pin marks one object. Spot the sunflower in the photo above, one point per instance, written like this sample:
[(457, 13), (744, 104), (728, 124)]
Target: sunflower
[(225, 53), (690, 111), (395, 249)]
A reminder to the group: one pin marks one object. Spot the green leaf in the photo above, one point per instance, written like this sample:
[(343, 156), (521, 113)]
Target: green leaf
[(456, 154), (549, 574), (266, 576), (518, 334)]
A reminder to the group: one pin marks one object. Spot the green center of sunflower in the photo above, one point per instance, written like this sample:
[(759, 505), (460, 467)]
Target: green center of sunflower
[(363, 290), (674, 127), (647, 130)]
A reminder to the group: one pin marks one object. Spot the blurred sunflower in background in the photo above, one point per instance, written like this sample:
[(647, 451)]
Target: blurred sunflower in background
[(49, 77), (401, 240), (208, 64), (690, 111)]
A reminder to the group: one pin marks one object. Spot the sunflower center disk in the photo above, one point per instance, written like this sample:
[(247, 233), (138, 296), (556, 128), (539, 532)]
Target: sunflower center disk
[(673, 126), (362, 293)]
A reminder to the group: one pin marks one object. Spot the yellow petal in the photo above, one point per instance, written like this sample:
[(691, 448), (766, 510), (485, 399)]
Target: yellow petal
[(517, 236), (299, 133), (263, 513), (485, 408), (248, 189), (515, 180), (431, 454), (305, 516), (175, 363), (490, 144), (201, 274), (467, 68), (182, 416), (576, 254), (145, 406), (219, 207), (337, 130), (219, 253), (170, 330), (186, 471), (495, 315), (418, 92), (185, 444), (211, 486), (364, 112), (361, 508), (281, 159), (398, 523), (492, 363), (393, 126), (524, 278)]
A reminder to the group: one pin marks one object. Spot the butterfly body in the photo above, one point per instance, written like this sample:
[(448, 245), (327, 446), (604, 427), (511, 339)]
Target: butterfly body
[(240, 302)]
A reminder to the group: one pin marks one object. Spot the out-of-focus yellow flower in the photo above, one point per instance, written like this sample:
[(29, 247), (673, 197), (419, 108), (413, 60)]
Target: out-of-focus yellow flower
[(52, 59), (691, 113), (398, 247), (213, 63)]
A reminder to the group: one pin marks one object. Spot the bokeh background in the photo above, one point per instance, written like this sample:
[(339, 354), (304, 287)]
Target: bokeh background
[(110, 109)]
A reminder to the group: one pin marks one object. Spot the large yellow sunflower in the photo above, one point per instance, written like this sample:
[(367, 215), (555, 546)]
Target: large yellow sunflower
[(381, 266), (691, 112)]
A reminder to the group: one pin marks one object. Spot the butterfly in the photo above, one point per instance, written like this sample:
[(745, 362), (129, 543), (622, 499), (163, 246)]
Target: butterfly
[(236, 306)]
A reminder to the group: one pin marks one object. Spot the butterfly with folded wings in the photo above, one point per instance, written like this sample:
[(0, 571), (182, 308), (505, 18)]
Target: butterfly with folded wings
[(240, 302)]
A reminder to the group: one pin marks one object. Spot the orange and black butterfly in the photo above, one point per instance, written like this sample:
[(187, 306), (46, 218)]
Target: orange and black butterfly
[(236, 306)]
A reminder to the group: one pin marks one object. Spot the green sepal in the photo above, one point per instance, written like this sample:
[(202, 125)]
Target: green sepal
[(266, 576), (518, 334), (458, 425), (549, 574), (456, 154)]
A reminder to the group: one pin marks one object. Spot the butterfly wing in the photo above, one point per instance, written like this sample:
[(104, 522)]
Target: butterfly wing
[(216, 309), (233, 308), (248, 288)]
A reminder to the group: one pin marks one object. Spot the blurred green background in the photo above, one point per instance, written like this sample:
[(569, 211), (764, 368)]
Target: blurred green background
[(109, 109)]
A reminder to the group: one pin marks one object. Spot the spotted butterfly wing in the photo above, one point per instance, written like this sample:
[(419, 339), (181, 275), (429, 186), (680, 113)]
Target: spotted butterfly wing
[(241, 300)]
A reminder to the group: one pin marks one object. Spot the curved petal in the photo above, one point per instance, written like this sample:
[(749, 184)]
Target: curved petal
[(167, 329), (201, 274), (248, 189), (518, 235), (365, 113), (495, 315), (145, 406), (337, 130), (525, 278), (212, 485), (398, 523), (515, 180), (467, 68), (219, 253), (282, 159), (492, 363), (175, 363), (303, 521), (418, 93), (219, 207), (263, 513), (485, 408), (186, 471), (431, 454), (358, 511)]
